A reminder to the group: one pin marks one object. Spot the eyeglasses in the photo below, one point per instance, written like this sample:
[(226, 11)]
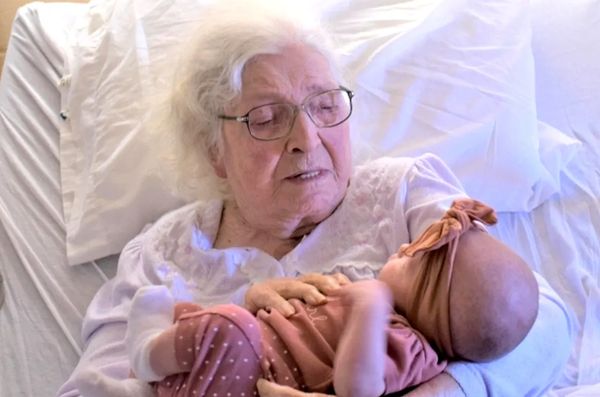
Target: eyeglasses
[(275, 120)]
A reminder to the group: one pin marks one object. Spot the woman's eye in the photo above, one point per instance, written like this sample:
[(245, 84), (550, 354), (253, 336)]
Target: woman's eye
[(326, 107), (262, 123), (262, 117)]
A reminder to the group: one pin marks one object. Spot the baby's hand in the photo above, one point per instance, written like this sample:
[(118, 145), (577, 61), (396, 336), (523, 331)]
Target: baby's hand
[(366, 292)]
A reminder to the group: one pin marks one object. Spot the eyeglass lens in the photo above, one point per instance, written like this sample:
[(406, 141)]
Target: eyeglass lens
[(275, 120)]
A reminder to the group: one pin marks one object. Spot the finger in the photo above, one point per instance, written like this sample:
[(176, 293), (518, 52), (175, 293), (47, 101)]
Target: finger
[(269, 389), (324, 283), (263, 297), (281, 305), (301, 290), (341, 279)]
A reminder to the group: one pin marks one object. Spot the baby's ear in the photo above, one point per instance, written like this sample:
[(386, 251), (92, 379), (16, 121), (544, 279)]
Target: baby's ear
[(403, 247), (215, 156)]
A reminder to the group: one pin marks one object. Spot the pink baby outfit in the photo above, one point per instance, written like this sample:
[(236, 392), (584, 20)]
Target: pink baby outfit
[(226, 350), (220, 347)]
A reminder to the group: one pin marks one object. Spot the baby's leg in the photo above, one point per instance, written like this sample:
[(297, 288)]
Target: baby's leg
[(218, 350), (162, 354), (360, 358)]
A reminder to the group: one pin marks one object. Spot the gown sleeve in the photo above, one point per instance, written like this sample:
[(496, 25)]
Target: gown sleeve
[(534, 365), (425, 193), (105, 322), (530, 369)]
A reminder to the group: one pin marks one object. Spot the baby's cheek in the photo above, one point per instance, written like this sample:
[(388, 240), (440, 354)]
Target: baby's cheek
[(394, 268), (396, 274)]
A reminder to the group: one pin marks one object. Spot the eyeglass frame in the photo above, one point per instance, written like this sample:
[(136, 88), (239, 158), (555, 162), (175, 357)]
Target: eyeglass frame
[(245, 118)]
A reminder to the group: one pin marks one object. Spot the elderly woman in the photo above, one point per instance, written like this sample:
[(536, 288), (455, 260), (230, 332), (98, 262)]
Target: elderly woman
[(261, 101)]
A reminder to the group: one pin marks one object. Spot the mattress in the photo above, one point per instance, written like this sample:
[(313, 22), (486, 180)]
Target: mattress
[(45, 299)]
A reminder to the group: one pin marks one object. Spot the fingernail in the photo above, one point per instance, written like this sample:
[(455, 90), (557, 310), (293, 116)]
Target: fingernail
[(332, 289), (318, 299), (287, 310)]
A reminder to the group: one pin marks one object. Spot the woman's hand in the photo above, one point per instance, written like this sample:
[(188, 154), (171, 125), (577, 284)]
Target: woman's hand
[(269, 389), (442, 385), (274, 293)]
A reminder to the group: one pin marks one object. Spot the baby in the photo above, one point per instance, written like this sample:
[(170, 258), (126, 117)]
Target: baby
[(429, 304)]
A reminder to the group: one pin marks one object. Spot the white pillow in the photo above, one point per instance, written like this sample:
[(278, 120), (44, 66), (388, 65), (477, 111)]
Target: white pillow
[(566, 47), (460, 85), (113, 182), (453, 77)]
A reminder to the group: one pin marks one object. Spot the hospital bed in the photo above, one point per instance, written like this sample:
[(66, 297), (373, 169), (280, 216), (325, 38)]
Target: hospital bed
[(65, 213)]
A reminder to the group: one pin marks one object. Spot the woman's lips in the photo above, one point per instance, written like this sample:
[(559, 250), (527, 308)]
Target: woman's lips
[(306, 175)]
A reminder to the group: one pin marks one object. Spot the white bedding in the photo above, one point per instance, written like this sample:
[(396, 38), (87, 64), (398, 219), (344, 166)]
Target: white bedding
[(452, 77), (41, 318), (46, 299)]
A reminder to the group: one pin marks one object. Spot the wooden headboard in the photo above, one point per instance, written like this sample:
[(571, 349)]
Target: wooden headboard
[(8, 10)]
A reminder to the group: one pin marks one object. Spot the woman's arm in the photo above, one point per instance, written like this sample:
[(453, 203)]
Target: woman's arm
[(540, 357), (105, 356), (105, 324), (150, 336), (443, 385)]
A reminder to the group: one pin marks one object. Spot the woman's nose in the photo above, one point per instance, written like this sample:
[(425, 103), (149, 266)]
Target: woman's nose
[(304, 136)]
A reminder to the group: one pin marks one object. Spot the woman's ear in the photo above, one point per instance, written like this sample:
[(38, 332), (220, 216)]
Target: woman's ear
[(215, 157)]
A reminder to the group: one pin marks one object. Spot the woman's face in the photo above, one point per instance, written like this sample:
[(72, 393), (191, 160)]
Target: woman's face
[(286, 186)]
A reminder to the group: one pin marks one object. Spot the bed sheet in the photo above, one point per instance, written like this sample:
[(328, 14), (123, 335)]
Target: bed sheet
[(46, 299), (559, 239)]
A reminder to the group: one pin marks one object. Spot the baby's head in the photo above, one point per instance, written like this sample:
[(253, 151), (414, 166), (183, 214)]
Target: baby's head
[(494, 298), (491, 303)]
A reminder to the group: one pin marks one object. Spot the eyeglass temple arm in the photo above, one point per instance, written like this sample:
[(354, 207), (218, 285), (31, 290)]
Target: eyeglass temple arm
[(348, 90), (241, 119)]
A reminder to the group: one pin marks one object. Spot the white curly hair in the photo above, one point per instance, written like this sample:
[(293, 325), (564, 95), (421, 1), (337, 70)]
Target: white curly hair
[(209, 76)]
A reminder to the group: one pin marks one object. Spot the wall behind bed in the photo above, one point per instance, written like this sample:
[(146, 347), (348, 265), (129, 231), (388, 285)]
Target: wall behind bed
[(8, 10)]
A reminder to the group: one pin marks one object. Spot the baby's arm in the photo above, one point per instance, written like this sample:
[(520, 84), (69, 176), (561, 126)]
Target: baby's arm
[(360, 358)]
